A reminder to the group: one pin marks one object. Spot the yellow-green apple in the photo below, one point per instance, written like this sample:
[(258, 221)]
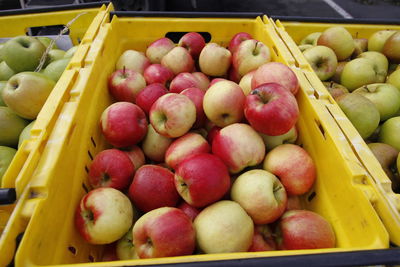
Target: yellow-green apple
[(23, 53), (185, 146), (391, 48), (394, 78), (103, 216), (133, 60), (398, 163), (338, 72), (2, 86), (239, 146), (178, 60), (123, 124), (223, 103), (202, 179), (260, 194), (335, 89), (157, 73), (190, 211), (311, 38), (387, 157), (304, 47), (304, 229), (276, 72), (56, 68), (158, 49), (360, 46), (339, 40), (46, 41), (172, 115), (26, 93), (197, 96), (215, 60), (250, 55), (380, 63), (393, 67), (358, 72), (55, 54), (164, 232), (203, 80), (245, 82), (1, 52), (70, 52), (386, 98), (361, 112), (5, 71), (136, 155), (25, 134), (125, 248), (6, 156), (125, 84), (185, 80), (193, 42), (111, 168), (263, 239), (378, 39), (153, 187), (271, 141), (297, 177), (388, 133), (155, 145), (294, 203), (11, 126), (223, 227), (322, 60), (237, 39), (148, 95), (271, 109)]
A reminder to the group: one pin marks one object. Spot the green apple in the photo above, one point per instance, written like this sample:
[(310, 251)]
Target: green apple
[(11, 126), (360, 46), (389, 133), (322, 60), (46, 41), (5, 71), (6, 156), (2, 86), (377, 40), (70, 52), (361, 112), (335, 89), (273, 141), (23, 53), (304, 47), (55, 54), (381, 64), (1, 52), (56, 68), (340, 40), (25, 134), (338, 72), (358, 72), (386, 98), (26, 93), (311, 39), (391, 48), (394, 79)]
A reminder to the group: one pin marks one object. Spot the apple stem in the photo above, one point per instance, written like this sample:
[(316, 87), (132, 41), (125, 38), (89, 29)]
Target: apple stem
[(262, 97), (255, 48)]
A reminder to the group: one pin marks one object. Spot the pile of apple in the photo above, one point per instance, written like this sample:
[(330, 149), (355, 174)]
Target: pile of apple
[(23, 91), (199, 166), (363, 76)]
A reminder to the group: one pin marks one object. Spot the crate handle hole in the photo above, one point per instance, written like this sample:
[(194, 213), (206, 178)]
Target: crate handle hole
[(93, 142), (175, 36), (91, 258), (276, 51), (321, 129), (72, 249), (46, 30), (90, 155), (311, 196)]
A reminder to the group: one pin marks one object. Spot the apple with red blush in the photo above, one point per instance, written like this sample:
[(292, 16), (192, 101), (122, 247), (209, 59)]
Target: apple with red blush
[(157, 73), (146, 98), (193, 42), (125, 84), (158, 49), (197, 96)]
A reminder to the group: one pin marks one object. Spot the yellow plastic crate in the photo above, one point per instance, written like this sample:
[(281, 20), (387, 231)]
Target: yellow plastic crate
[(388, 203), (342, 192)]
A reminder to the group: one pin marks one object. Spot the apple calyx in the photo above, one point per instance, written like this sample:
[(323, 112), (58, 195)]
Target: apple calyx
[(105, 179), (88, 215)]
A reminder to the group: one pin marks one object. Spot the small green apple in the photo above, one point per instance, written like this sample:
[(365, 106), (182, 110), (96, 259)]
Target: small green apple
[(55, 54), (11, 126), (394, 79), (26, 93), (358, 72), (23, 53), (70, 52), (2, 86), (391, 48), (322, 60), (46, 41), (311, 39), (25, 134), (339, 40), (381, 64), (360, 46), (5, 71), (335, 89), (6, 156), (56, 68), (389, 133), (377, 40)]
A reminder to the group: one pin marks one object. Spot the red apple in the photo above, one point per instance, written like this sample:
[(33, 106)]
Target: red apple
[(197, 96), (190, 211), (136, 156), (158, 49), (293, 203), (237, 39), (133, 60), (275, 72), (203, 81), (178, 60), (123, 124), (250, 55), (185, 146), (304, 229), (293, 166), (271, 109), (212, 133), (183, 81), (215, 60), (193, 42), (263, 239), (146, 98), (202, 179), (125, 84), (157, 73), (164, 232), (153, 187)]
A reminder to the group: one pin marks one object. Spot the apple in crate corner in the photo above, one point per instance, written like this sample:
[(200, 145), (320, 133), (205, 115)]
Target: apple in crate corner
[(339, 40), (111, 168), (299, 176), (123, 124), (250, 55), (271, 109), (202, 179), (146, 97), (125, 249), (304, 229), (133, 60), (193, 42), (322, 60), (158, 49), (103, 216), (224, 227), (153, 187), (263, 239), (189, 210), (164, 232), (215, 60), (237, 39), (157, 73), (155, 145), (125, 85), (178, 60), (378, 39), (311, 39), (239, 146), (197, 97)]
